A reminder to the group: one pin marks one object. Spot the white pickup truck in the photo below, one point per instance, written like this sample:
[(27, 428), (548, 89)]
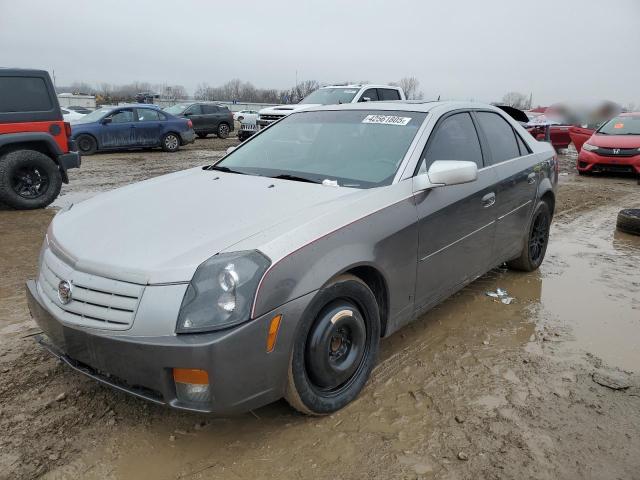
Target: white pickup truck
[(332, 95)]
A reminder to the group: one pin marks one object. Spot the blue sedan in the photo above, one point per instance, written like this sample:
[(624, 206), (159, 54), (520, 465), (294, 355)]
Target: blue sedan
[(131, 126)]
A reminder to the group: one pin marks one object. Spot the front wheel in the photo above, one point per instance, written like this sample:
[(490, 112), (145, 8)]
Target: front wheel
[(336, 348), (223, 130), (170, 142), (536, 242), (28, 179)]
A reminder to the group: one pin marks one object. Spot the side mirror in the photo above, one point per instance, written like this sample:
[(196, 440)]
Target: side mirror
[(365, 99), (105, 121), (230, 149), (452, 172)]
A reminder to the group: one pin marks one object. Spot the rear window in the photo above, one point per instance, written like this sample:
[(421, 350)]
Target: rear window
[(24, 94)]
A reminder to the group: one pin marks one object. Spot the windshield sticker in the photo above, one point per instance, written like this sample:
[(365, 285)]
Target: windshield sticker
[(386, 120), (619, 125)]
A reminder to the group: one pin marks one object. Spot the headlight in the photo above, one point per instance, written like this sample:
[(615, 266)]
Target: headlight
[(588, 147), (221, 291)]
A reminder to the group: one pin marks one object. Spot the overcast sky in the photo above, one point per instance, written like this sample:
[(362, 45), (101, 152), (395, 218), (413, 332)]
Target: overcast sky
[(462, 49)]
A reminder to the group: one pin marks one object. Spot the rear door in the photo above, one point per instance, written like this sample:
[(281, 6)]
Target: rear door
[(457, 222), (149, 128), (508, 157), (118, 129), (213, 116)]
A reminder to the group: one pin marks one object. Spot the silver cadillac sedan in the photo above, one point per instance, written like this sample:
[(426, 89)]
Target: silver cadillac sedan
[(275, 272)]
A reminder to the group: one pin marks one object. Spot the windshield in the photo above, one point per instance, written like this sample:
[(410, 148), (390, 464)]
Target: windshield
[(331, 96), (622, 125), (94, 116), (350, 148), (177, 109)]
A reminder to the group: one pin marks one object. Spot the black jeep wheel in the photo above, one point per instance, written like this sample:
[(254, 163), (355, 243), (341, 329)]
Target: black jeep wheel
[(223, 130), (170, 142), (28, 179), (335, 349), (536, 242), (86, 144)]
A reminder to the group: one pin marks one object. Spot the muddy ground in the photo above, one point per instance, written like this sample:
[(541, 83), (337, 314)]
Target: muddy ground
[(474, 389)]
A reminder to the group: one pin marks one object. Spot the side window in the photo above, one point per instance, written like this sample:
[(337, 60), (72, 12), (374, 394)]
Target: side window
[(455, 138), (149, 115), (500, 135), (524, 149), (371, 94), (24, 94), (194, 110), (209, 109), (388, 94), (122, 116)]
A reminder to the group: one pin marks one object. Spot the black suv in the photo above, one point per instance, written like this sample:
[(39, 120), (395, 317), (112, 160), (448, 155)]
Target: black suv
[(206, 117), (35, 146)]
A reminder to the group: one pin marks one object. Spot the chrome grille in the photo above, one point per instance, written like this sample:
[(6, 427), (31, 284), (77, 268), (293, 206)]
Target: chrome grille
[(271, 117), (96, 302)]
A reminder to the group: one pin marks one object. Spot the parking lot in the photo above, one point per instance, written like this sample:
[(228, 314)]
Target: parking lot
[(474, 389)]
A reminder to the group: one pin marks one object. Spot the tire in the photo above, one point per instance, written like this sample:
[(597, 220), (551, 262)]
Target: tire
[(223, 130), (87, 145), (170, 142), (629, 221), (202, 135), (28, 180), (536, 242), (335, 348)]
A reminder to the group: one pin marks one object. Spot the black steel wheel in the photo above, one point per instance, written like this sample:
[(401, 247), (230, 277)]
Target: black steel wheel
[(335, 349), (535, 245), (170, 142), (223, 130), (86, 144), (28, 179)]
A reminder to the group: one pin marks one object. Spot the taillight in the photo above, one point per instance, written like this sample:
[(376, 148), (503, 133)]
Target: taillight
[(67, 129), (189, 124)]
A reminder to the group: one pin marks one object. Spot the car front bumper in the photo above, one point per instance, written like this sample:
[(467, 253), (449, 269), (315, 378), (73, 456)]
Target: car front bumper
[(593, 162), (242, 375), (188, 137)]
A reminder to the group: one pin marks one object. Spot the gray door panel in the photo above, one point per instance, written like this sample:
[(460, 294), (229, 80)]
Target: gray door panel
[(456, 235)]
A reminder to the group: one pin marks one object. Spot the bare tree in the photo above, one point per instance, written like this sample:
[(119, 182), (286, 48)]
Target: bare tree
[(516, 100), (411, 87)]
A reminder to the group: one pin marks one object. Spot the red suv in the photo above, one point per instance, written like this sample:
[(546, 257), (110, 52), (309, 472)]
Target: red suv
[(35, 149), (614, 147)]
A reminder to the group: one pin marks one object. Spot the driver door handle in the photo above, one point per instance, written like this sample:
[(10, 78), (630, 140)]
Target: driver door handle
[(488, 200)]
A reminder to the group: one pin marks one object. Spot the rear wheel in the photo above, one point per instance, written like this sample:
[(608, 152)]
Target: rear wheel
[(336, 348), (537, 240), (28, 180), (170, 142), (86, 144), (223, 130), (628, 221)]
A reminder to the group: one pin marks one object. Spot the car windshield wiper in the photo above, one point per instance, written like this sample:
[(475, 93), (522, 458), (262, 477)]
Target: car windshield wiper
[(286, 176), (225, 169)]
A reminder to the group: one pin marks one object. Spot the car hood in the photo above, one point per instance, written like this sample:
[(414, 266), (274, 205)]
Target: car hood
[(287, 109), (615, 141), (160, 230)]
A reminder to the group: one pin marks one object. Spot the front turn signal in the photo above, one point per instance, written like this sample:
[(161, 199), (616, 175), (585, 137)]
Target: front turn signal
[(274, 326)]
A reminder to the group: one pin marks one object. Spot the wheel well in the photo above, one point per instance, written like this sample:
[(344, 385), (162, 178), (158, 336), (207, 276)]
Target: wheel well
[(95, 139), (550, 199), (375, 281), (41, 147)]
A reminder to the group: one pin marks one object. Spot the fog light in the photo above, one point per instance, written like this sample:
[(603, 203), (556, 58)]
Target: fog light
[(192, 385)]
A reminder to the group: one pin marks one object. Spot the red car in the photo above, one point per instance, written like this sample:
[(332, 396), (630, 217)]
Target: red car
[(614, 147)]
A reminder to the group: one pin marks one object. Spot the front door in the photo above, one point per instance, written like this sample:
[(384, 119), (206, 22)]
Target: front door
[(117, 131), (456, 223), (517, 182), (194, 113)]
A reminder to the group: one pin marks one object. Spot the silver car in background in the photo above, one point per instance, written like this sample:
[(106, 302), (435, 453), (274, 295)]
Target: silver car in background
[(275, 272)]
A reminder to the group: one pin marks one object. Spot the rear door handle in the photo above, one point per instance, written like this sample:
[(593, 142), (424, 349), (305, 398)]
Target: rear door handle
[(531, 178), (489, 199)]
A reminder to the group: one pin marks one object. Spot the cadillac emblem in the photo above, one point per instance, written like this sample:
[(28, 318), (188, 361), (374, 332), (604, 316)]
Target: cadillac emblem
[(65, 289)]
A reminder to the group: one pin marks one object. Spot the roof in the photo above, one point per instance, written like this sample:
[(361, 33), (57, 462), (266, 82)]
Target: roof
[(630, 114), (362, 85), (406, 105)]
